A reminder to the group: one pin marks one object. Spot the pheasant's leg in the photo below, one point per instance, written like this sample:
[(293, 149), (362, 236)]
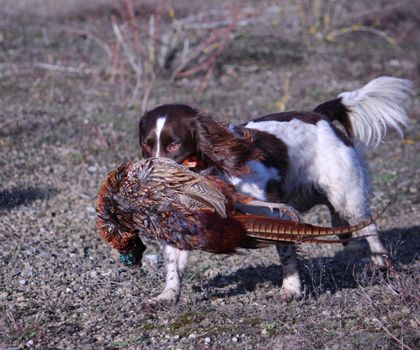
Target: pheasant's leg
[(291, 287), (285, 211), (176, 261)]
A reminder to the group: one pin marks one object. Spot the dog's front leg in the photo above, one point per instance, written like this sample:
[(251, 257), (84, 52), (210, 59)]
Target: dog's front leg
[(291, 287), (176, 261)]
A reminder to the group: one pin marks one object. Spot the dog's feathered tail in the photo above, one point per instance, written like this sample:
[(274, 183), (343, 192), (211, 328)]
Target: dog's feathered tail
[(367, 112)]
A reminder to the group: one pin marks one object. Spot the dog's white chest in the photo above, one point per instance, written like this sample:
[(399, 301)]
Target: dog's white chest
[(255, 183)]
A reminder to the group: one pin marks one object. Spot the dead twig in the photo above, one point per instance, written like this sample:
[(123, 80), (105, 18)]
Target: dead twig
[(134, 28), (128, 54), (136, 67), (89, 35), (386, 330), (206, 65), (64, 69), (331, 36)]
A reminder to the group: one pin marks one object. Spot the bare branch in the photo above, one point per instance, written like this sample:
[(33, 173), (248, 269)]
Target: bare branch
[(129, 55)]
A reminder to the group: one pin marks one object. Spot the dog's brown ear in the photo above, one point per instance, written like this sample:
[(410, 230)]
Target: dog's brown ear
[(141, 129), (223, 149)]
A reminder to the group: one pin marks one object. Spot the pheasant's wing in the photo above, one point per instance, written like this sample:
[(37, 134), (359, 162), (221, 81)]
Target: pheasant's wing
[(192, 189), (205, 193)]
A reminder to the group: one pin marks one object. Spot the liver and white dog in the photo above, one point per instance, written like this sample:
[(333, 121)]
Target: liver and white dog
[(298, 158)]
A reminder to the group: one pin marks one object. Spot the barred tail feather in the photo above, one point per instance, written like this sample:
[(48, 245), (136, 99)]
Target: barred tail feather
[(374, 107), (272, 229)]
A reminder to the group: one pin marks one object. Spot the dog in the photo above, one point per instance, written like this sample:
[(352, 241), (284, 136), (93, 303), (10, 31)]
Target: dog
[(298, 158)]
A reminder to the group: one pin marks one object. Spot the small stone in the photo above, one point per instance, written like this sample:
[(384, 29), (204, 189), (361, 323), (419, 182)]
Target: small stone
[(235, 340), (264, 332), (413, 189), (176, 337), (405, 310), (92, 169), (23, 282), (90, 210), (394, 63), (191, 336), (414, 324), (207, 340)]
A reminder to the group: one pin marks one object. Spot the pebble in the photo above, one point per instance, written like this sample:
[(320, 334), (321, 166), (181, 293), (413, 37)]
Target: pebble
[(207, 340), (92, 169), (414, 324), (264, 332), (176, 337), (90, 210), (235, 340), (23, 282)]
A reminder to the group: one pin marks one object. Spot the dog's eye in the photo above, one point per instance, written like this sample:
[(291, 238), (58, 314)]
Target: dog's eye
[(147, 147), (173, 146)]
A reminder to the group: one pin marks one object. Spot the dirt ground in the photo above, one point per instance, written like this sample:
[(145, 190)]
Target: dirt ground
[(65, 86)]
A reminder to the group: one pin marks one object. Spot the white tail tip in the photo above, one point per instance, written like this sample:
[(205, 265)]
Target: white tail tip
[(377, 105)]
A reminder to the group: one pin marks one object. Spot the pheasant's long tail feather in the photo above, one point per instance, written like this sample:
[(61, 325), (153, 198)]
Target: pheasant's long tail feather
[(275, 230)]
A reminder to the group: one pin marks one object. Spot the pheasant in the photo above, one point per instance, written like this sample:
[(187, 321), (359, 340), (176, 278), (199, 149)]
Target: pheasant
[(158, 198)]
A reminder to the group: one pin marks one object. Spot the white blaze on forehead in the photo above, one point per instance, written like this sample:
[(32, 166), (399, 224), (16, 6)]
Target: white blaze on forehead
[(159, 126)]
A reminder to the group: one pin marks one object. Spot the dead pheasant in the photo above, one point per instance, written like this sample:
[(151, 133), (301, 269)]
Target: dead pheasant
[(158, 198)]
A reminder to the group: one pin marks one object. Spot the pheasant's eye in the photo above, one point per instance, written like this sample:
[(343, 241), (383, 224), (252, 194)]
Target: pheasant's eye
[(173, 146)]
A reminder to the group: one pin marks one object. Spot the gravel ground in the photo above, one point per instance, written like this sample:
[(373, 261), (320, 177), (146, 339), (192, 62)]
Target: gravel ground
[(61, 132)]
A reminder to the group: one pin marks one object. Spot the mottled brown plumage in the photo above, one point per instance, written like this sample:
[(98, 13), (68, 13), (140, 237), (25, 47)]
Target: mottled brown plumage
[(158, 198)]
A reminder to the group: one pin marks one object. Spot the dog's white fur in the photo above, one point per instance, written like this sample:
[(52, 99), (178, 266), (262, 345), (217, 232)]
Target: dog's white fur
[(319, 160), (159, 126), (378, 104)]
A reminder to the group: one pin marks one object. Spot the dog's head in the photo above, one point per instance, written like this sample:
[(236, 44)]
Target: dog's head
[(184, 134), (169, 131)]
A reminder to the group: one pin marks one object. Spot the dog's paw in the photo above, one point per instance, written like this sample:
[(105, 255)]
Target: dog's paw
[(287, 295), (156, 304), (384, 262), (162, 302)]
